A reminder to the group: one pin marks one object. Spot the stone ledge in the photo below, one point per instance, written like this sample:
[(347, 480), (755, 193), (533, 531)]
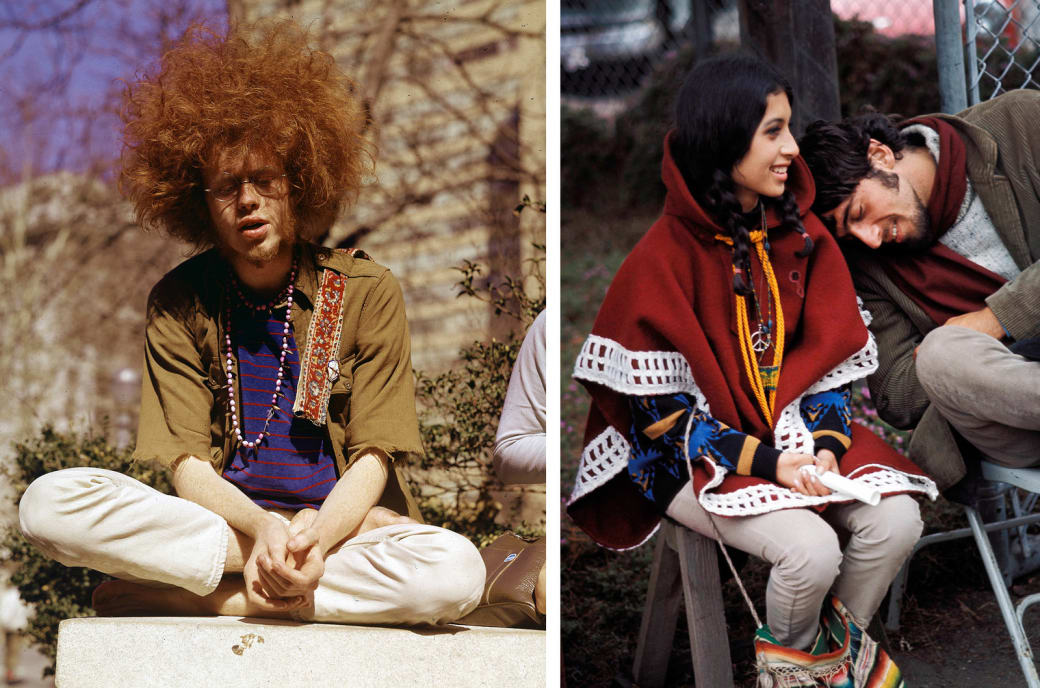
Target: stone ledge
[(180, 652)]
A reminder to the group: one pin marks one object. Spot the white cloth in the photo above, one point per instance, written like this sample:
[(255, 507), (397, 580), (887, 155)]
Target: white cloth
[(519, 455), (104, 520), (14, 614)]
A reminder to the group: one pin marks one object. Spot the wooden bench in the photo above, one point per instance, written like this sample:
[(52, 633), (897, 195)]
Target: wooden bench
[(685, 567)]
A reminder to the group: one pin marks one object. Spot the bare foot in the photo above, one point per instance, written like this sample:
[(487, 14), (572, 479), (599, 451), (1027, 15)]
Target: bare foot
[(379, 517), (123, 598)]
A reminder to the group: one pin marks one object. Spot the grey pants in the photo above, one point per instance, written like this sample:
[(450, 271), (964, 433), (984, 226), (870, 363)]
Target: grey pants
[(990, 395), (807, 560)]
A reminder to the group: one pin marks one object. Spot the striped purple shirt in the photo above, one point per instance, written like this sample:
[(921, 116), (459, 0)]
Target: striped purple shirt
[(293, 468)]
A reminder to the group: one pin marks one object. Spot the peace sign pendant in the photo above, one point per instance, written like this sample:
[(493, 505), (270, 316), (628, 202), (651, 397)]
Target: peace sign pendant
[(760, 340)]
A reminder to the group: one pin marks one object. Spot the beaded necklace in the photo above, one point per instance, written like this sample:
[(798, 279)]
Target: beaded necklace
[(287, 294), (763, 379)]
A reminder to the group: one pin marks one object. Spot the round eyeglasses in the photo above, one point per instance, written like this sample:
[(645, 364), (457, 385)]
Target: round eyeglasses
[(266, 184)]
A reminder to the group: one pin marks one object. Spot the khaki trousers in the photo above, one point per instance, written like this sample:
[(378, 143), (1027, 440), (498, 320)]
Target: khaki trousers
[(990, 395), (807, 560), (107, 521)]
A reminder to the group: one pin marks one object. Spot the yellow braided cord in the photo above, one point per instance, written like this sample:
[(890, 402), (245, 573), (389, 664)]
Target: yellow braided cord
[(778, 348), (756, 236), (750, 364), (747, 351)]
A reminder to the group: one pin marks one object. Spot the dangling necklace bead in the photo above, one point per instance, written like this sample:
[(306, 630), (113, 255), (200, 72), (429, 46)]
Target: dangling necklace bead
[(763, 379), (762, 337), (230, 361)]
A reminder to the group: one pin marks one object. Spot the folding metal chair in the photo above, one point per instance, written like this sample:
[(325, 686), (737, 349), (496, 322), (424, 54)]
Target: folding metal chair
[(1028, 480)]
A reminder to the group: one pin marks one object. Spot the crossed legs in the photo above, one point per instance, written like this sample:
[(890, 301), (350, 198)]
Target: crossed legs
[(392, 570), (990, 395)]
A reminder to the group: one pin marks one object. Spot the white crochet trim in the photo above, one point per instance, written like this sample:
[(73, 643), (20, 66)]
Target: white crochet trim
[(791, 433), (642, 373), (607, 363), (602, 459), (863, 312), (766, 497)]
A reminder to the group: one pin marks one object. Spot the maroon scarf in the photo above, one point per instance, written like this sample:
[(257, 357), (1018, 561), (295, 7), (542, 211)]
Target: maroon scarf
[(940, 281)]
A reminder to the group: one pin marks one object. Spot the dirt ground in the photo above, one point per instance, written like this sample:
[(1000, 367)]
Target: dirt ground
[(963, 642), (951, 635)]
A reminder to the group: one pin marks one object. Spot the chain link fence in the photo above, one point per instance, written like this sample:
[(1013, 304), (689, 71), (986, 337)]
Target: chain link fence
[(608, 48), (1003, 46)]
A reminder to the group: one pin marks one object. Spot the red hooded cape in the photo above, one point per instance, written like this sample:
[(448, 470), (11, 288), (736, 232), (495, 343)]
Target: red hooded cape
[(668, 325)]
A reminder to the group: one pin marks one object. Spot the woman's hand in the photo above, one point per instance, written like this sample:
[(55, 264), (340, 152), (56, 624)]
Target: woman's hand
[(789, 472)]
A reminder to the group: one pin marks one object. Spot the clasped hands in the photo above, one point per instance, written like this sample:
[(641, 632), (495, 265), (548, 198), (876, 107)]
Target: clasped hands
[(286, 562), (789, 473)]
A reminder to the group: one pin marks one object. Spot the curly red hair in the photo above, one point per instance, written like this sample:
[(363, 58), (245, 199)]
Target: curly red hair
[(256, 89)]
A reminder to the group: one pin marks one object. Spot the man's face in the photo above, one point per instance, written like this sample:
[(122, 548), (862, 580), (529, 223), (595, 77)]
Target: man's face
[(253, 221), (884, 212)]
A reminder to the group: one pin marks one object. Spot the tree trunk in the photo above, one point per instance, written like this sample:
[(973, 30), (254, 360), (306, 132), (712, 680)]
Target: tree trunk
[(797, 36)]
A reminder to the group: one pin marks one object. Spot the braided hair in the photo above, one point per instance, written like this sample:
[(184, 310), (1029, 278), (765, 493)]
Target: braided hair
[(719, 108)]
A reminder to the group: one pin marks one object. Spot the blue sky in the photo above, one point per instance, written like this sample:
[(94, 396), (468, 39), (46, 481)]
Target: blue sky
[(61, 62)]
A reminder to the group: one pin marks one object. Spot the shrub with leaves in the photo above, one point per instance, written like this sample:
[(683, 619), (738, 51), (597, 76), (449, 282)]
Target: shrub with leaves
[(57, 592), (460, 409)]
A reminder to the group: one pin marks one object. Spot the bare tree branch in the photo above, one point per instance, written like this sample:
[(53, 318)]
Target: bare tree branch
[(50, 22)]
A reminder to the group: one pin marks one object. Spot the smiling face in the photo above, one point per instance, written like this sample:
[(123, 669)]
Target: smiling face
[(763, 169), (252, 230), (884, 211)]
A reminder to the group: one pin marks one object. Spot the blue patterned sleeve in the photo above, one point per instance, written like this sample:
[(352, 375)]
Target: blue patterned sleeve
[(829, 418), (658, 431)]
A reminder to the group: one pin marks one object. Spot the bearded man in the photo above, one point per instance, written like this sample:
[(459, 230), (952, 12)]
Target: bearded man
[(277, 380), (940, 216)]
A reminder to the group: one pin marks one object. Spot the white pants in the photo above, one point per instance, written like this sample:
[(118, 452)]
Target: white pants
[(807, 560), (107, 521)]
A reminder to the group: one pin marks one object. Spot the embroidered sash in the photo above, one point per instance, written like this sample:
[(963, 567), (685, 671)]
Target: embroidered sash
[(320, 365)]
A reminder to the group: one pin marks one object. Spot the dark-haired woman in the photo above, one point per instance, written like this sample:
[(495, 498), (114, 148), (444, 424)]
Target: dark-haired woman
[(730, 336)]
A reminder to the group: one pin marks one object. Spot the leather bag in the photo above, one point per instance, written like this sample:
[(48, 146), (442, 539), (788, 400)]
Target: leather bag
[(512, 565)]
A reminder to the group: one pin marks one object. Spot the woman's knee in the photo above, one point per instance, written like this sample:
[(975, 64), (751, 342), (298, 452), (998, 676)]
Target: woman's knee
[(895, 525), (810, 559)]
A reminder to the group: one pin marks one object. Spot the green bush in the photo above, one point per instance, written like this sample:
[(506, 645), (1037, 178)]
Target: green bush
[(57, 592), (893, 75), (621, 165), (589, 160), (460, 409)]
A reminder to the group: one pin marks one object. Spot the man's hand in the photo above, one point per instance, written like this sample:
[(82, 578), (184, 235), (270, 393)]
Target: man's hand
[(981, 321), (297, 572), (269, 545), (789, 473)]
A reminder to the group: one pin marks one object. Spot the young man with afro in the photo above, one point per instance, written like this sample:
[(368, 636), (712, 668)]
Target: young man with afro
[(277, 381)]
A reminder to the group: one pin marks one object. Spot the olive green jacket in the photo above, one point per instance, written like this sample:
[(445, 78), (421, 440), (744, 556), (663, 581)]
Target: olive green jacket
[(184, 400), (1002, 136)]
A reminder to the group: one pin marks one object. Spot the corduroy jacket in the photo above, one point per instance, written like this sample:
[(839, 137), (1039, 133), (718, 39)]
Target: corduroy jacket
[(184, 399), (1003, 163)]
